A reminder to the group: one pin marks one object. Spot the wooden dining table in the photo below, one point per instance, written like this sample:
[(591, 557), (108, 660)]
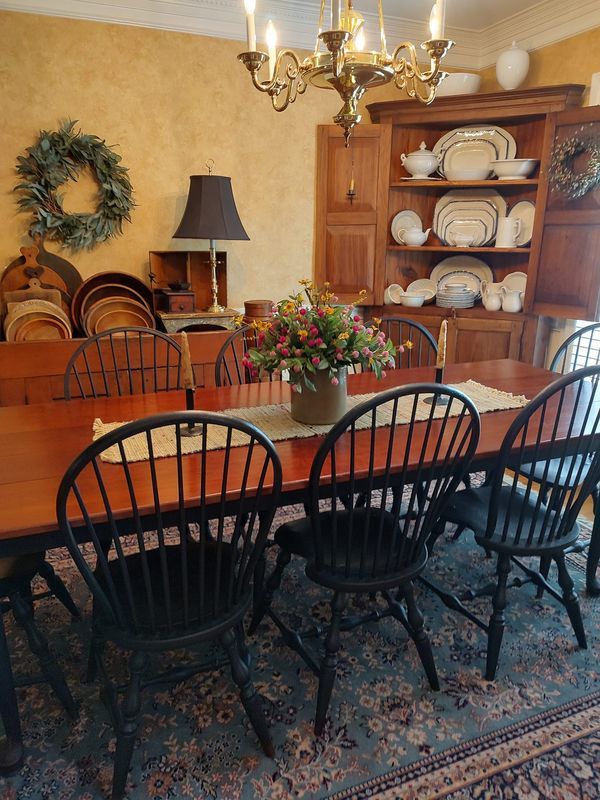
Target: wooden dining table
[(38, 443)]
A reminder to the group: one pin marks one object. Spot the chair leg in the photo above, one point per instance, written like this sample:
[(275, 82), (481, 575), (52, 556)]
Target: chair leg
[(39, 647), (419, 636), (258, 581), (591, 582), (570, 600), (11, 747), (545, 563), (329, 661), (273, 583), (95, 649), (251, 700), (496, 623), (128, 724), (58, 589)]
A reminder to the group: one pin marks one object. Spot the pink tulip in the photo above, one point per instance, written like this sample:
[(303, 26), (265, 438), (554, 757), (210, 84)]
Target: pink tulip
[(334, 381), (316, 360)]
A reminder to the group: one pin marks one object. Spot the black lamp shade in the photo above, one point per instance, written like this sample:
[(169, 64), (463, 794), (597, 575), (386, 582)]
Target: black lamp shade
[(210, 211)]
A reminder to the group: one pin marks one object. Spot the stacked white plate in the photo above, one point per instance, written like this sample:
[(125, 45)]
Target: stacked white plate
[(455, 295)]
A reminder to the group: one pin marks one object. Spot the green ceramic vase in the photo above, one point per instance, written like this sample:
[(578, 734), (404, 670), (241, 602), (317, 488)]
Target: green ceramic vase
[(324, 406)]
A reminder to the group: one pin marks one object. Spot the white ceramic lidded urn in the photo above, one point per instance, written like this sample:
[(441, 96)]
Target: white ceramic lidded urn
[(512, 67), (420, 163)]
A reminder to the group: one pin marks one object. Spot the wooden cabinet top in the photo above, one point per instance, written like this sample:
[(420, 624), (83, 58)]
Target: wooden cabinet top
[(479, 107)]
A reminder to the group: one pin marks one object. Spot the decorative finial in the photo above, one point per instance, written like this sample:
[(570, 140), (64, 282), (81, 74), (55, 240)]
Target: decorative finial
[(209, 165)]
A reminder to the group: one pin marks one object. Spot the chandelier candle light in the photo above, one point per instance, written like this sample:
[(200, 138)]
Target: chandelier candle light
[(341, 62)]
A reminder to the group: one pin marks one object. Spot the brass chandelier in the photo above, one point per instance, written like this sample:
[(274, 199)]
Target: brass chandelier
[(345, 65)]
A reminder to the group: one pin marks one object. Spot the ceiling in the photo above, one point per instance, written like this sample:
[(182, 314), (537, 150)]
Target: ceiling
[(480, 28)]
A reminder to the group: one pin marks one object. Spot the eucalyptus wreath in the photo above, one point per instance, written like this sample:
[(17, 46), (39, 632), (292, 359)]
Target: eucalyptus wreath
[(58, 156), (575, 184)]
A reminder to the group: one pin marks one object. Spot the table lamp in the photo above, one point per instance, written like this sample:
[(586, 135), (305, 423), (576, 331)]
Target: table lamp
[(210, 213)]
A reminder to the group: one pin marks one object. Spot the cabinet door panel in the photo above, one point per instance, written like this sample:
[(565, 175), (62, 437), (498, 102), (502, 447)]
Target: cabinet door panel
[(350, 252), (360, 161), (567, 279), (483, 339)]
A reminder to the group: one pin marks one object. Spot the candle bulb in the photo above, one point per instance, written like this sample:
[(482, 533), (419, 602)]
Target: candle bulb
[(441, 355), (272, 48), (441, 6), (434, 22), (250, 6), (186, 364)]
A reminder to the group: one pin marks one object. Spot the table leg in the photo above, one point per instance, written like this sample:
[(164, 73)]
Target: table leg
[(11, 747)]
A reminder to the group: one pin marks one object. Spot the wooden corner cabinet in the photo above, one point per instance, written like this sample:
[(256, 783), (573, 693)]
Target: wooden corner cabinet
[(355, 248)]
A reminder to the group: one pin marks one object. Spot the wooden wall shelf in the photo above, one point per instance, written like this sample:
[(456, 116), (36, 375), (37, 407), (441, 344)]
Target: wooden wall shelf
[(444, 248)]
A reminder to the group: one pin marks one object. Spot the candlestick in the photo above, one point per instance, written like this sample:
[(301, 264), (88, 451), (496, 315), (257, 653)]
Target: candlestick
[(434, 23), (250, 6), (272, 48), (186, 364), (441, 355), (441, 6)]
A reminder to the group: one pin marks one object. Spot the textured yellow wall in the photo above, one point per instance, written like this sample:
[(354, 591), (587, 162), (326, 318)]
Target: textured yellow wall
[(571, 61), (169, 101)]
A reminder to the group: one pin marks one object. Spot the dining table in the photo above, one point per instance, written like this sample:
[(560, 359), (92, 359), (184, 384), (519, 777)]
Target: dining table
[(39, 442)]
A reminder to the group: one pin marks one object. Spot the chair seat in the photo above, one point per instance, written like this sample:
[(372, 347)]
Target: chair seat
[(296, 538), (470, 507), (177, 624), (19, 568), (555, 471)]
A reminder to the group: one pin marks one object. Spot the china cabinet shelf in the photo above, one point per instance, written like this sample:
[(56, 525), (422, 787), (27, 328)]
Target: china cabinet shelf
[(486, 184), (447, 249)]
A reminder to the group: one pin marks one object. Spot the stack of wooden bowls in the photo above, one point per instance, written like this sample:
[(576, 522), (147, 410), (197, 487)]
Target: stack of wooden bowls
[(112, 300), (36, 320)]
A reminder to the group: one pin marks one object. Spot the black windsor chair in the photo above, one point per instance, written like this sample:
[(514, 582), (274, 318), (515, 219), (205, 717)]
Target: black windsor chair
[(16, 575), (229, 370), (123, 361), (167, 586), (423, 348), (532, 513), (381, 545)]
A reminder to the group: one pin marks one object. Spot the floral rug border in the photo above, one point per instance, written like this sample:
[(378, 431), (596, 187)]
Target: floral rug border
[(439, 774)]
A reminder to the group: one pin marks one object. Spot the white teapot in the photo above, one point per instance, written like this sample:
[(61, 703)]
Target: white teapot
[(512, 300), (414, 237), (420, 163)]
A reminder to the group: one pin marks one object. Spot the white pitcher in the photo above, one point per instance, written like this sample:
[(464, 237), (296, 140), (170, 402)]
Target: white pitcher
[(508, 232), (512, 300), (491, 295)]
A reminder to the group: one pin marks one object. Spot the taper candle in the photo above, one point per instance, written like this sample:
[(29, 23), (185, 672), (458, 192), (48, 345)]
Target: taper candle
[(250, 6), (441, 355), (186, 363), (271, 48), (441, 5)]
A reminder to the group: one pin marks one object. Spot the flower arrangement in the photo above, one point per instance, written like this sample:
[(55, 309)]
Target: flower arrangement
[(309, 332)]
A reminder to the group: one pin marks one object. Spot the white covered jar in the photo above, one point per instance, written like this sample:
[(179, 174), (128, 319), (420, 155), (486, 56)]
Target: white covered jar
[(420, 163), (512, 67)]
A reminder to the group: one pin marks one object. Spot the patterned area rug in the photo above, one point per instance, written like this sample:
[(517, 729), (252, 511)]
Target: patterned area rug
[(534, 732)]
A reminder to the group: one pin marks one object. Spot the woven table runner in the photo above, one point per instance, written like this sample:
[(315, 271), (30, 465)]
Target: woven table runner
[(276, 422)]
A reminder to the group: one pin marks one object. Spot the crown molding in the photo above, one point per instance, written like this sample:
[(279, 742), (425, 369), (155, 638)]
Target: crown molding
[(547, 22)]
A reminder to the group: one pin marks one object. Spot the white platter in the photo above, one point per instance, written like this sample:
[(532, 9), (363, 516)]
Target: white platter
[(501, 140), (468, 203), (462, 264), (403, 220), (468, 155), (465, 227), (483, 213), (515, 281), (525, 211)]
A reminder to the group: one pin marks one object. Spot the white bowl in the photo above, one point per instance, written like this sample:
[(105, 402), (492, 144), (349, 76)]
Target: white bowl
[(514, 169), (393, 293), (413, 299), (467, 174), (459, 83)]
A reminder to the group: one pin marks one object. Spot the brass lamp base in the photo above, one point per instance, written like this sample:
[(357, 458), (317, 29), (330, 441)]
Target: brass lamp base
[(216, 309)]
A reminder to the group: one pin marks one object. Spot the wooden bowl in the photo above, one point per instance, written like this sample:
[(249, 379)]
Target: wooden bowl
[(35, 329), (29, 306), (123, 304), (120, 318), (101, 278), (109, 291)]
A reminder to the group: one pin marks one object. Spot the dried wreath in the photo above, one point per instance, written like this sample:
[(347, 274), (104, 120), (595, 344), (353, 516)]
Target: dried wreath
[(57, 157), (564, 178)]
